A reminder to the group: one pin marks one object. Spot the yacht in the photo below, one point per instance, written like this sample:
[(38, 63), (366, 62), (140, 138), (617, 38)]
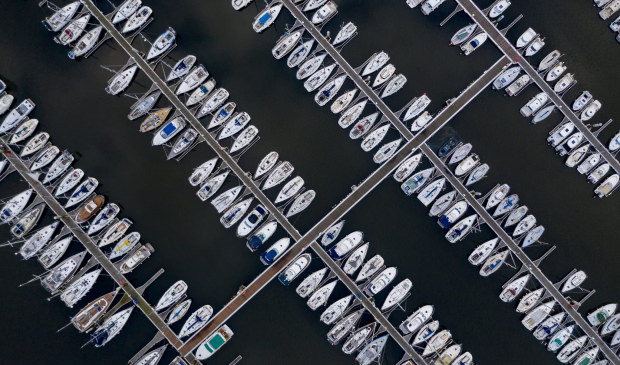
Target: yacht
[(371, 266), (261, 235), (534, 104), (426, 332), (126, 244), (62, 272), (564, 83), (201, 92), (376, 62), (535, 46), (6, 101), (265, 18), (115, 232), (202, 172), (79, 288), (474, 43), (214, 342), (233, 126), (416, 181), (36, 242), (61, 17), (461, 229), (275, 251), (343, 101), (612, 324), (598, 173), (295, 269), (381, 281), (153, 357), (375, 137), (253, 219), (138, 19), (524, 225), (398, 293), (44, 158), (86, 43), (82, 191), (290, 189), (27, 221), (346, 32), (417, 319), (506, 77), (452, 214), (299, 54), (196, 321), (235, 213), (310, 283), (526, 37), (601, 314), (610, 9), (358, 338), (395, 84), (222, 115), (329, 90), (384, 75), (478, 174), (437, 342), (310, 66), (549, 326), (561, 133), (278, 175), (332, 233), (17, 115), (614, 144), (217, 98), (211, 186), (195, 77), (417, 107), (321, 295), (529, 300), (442, 203), (533, 235), (103, 219), (286, 43), (463, 34), (345, 245), (15, 205), (266, 164), (466, 165), (356, 259), (556, 72), (154, 120), (352, 114), (335, 310), (483, 251), (89, 209), (430, 5), (421, 121), (343, 327), (386, 151), (560, 338), (499, 8), (162, 44), (182, 67), (363, 126), (518, 85), (577, 155), (497, 195), (571, 349), (590, 110), (407, 167), (537, 315), (144, 105), (58, 167), (240, 4), (132, 261), (168, 131), (91, 313), (319, 77), (121, 81), (73, 30), (460, 153), (125, 10), (607, 186), (512, 290), (493, 263), (574, 281), (324, 13), (111, 327), (428, 194), (372, 351), (571, 142), (52, 253), (172, 295), (449, 355), (549, 60), (581, 101)]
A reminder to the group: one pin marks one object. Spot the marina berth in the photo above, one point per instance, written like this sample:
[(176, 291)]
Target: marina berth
[(607, 186), (144, 105), (217, 98), (244, 138), (437, 342), (589, 111), (82, 191), (397, 294), (324, 13), (195, 77), (335, 310), (381, 281), (153, 357), (582, 100), (497, 195), (386, 151), (534, 47), (561, 133), (614, 144), (574, 281), (612, 324), (89, 209), (460, 153), (37, 241), (534, 104), (313, 5), (15, 205), (178, 311), (537, 315), (44, 158), (571, 350), (376, 62), (129, 263), (430, 5), (201, 92), (556, 72), (266, 164), (506, 205), (461, 229), (128, 243), (406, 168), (61, 273), (417, 180), (154, 120), (290, 189), (477, 174), (512, 291), (466, 165), (452, 214), (372, 351), (6, 101), (588, 163), (79, 288), (564, 83), (505, 78), (524, 225), (395, 84), (598, 173), (253, 219), (602, 314), (430, 192), (168, 131), (577, 155), (526, 37), (343, 101), (518, 85), (417, 107), (329, 90), (240, 4), (235, 125), (549, 60), (278, 175), (533, 235)]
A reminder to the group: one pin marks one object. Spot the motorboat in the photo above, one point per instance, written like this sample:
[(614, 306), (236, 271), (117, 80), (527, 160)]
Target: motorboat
[(371, 266), (524, 225), (278, 175), (343, 101), (182, 67), (324, 13), (499, 8), (607, 186), (286, 43), (601, 314), (543, 114), (497, 195), (321, 295), (590, 110), (144, 105), (214, 342), (516, 216), (537, 315), (363, 126), (529, 300), (61, 17), (610, 9), (37, 241), (534, 104), (346, 32), (290, 189), (124, 245), (415, 182), (104, 218), (417, 107), (111, 327), (549, 326), (6, 101), (416, 319), (582, 100), (428, 194), (571, 142), (275, 251), (397, 294), (235, 213), (549, 60), (235, 125), (154, 120), (473, 44), (62, 272), (53, 252), (574, 281), (460, 153), (512, 290), (310, 283), (460, 230), (92, 312), (343, 327), (577, 155), (162, 44), (265, 18), (381, 281), (421, 121), (375, 137), (463, 34), (384, 75), (466, 165), (535, 46), (526, 37), (442, 203), (89, 209), (561, 133), (407, 167), (202, 172), (222, 115), (252, 220), (395, 84), (171, 296), (82, 191), (437, 342), (519, 84), (121, 80), (79, 288), (168, 131), (240, 4), (73, 30), (17, 115), (533, 235), (598, 173), (115, 232), (195, 77), (449, 354), (310, 66), (86, 43), (556, 72), (299, 54), (14, 206), (345, 245), (372, 351), (196, 321), (478, 174), (386, 151), (328, 91), (201, 92), (125, 10), (132, 261), (482, 252), (493, 263), (506, 77), (571, 349), (564, 83), (217, 98), (560, 338), (335, 310), (430, 5), (614, 144), (356, 259), (358, 338), (137, 20), (262, 235), (295, 269), (425, 333), (313, 5), (452, 214)]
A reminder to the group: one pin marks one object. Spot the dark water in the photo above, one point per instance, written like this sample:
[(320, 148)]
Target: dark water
[(277, 327)]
